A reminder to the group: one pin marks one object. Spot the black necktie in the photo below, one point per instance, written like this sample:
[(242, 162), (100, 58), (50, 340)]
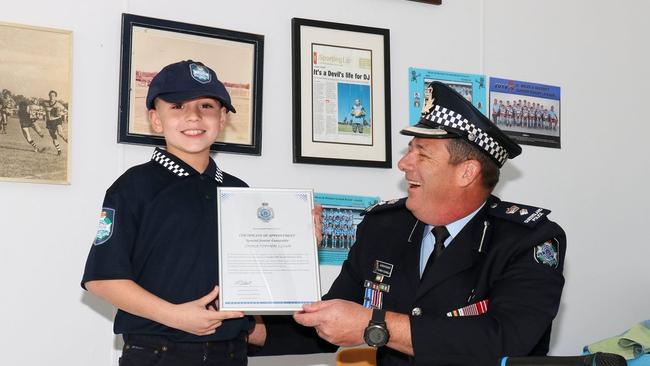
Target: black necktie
[(441, 234)]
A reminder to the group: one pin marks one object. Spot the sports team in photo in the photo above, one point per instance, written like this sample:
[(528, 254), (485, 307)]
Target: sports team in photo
[(339, 227), (33, 115), (524, 113)]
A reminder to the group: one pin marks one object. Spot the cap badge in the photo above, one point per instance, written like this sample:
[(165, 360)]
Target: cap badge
[(200, 73)]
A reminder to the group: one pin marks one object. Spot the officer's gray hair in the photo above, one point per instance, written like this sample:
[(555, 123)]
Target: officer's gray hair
[(461, 150)]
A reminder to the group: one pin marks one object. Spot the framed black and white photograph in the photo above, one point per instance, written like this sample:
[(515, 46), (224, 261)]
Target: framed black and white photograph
[(35, 103), (149, 44), (341, 94)]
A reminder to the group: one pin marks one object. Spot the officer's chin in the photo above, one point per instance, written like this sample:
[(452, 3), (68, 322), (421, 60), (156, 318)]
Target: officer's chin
[(409, 203)]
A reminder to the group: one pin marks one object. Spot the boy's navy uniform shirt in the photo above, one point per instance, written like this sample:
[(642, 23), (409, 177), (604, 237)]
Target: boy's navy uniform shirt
[(158, 227)]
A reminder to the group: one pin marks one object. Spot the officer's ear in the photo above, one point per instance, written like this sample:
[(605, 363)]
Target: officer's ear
[(469, 171)]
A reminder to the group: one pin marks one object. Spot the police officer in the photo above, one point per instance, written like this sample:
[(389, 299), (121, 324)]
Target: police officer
[(450, 275)]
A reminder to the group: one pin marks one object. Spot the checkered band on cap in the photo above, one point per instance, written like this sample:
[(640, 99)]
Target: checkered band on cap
[(168, 163), (449, 118)]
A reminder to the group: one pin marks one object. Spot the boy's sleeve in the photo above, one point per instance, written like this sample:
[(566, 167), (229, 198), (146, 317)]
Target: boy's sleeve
[(110, 253)]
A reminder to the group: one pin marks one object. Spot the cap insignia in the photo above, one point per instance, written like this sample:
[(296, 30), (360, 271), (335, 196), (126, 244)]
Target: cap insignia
[(200, 73)]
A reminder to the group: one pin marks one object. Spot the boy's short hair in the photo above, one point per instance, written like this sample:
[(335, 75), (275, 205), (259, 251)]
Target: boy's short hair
[(187, 80)]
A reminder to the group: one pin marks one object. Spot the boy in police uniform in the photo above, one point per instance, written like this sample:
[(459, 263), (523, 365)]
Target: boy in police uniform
[(155, 253), (450, 275)]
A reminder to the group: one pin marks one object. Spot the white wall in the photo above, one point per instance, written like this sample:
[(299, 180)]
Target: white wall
[(596, 51)]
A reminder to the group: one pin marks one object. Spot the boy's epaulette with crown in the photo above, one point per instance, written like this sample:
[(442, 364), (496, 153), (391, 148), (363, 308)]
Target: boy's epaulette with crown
[(521, 214), (384, 206)]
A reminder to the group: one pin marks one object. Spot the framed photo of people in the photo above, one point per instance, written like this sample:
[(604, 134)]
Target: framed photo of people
[(35, 103), (527, 112), (341, 94), (149, 44), (340, 217)]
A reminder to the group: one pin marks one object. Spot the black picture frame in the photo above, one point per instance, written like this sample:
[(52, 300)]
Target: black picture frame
[(360, 80), (148, 44)]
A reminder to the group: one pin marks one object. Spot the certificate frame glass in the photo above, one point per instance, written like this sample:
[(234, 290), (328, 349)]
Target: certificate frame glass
[(149, 44), (341, 94), (268, 257)]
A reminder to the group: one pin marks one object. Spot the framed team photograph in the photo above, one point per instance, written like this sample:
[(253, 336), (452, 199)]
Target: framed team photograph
[(35, 104), (149, 44), (341, 94), (341, 215), (527, 112)]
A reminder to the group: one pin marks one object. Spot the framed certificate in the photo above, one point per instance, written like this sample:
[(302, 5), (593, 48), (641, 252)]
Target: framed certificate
[(268, 258)]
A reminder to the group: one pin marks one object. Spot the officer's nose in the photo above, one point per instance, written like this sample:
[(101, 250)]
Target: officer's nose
[(405, 162)]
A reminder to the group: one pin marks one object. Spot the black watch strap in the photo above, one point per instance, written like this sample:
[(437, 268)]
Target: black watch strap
[(378, 316)]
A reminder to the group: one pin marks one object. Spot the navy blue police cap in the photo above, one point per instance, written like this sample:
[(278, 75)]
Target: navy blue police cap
[(453, 116), (187, 80)]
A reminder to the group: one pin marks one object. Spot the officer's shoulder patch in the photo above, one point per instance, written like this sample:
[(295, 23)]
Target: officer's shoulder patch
[(547, 253), (515, 212), (106, 225), (384, 206)]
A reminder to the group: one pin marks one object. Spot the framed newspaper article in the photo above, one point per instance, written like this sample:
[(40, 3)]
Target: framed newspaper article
[(341, 94), (35, 104), (149, 44)]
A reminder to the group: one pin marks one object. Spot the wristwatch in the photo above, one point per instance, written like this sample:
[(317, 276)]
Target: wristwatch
[(376, 333)]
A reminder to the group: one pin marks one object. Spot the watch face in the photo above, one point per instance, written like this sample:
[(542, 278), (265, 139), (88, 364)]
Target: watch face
[(376, 336)]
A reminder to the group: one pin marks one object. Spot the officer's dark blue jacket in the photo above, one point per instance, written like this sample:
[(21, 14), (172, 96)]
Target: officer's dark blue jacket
[(508, 254)]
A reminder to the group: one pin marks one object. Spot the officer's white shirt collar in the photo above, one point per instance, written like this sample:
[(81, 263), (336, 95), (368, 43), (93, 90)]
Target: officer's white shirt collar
[(455, 227)]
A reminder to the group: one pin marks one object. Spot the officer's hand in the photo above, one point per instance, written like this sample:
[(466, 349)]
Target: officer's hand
[(317, 214), (339, 322), (199, 317)]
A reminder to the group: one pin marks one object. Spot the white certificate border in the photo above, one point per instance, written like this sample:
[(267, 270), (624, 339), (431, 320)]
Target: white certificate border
[(274, 310)]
